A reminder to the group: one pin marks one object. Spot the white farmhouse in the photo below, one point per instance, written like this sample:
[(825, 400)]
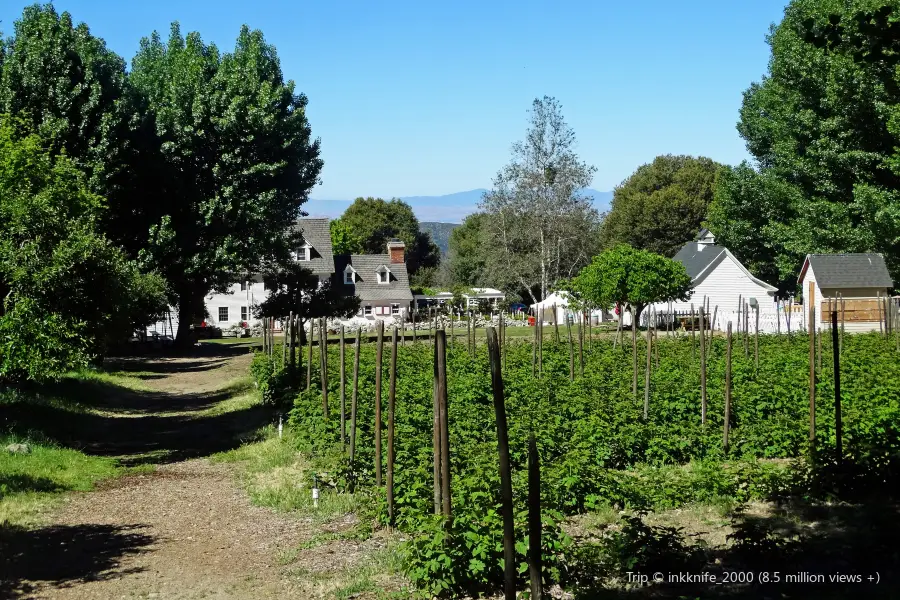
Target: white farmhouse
[(236, 304), (721, 279), (860, 280)]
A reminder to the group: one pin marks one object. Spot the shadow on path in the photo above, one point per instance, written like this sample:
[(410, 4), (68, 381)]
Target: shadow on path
[(140, 426), (61, 555)]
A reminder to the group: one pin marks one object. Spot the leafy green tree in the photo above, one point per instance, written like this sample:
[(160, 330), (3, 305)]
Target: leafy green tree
[(375, 221), (753, 214), (343, 238), (236, 161), (538, 229), (68, 85), (56, 268), (296, 289), (633, 279), (661, 205), (824, 124), (76, 95), (467, 251)]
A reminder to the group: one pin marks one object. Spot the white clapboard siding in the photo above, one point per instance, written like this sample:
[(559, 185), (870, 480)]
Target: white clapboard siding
[(723, 286)]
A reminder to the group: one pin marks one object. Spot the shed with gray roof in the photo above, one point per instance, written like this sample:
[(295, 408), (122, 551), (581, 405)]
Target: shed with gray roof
[(855, 283)]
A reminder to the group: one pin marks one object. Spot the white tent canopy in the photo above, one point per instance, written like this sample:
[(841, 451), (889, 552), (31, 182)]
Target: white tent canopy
[(560, 300)]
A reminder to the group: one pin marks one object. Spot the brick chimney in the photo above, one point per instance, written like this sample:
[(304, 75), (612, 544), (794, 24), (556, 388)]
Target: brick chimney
[(396, 250)]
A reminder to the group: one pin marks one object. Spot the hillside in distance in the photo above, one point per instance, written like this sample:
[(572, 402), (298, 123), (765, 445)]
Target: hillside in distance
[(449, 208), (440, 233)]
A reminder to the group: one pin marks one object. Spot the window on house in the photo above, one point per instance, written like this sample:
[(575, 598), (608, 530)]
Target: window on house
[(303, 253), (223, 313), (348, 277), (243, 313), (383, 276), (367, 311), (395, 309), (243, 285)]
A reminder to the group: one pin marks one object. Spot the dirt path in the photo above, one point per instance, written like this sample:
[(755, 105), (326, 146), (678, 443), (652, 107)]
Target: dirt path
[(185, 530)]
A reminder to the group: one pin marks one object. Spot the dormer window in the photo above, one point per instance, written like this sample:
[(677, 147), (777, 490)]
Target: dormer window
[(349, 275), (303, 253), (384, 275)]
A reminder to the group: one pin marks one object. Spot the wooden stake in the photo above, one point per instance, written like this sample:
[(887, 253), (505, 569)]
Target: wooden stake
[(343, 392), (540, 325), (756, 340), (702, 370), (441, 357), (312, 330), (379, 349), (506, 498), (647, 375), (392, 394), (534, 520), (634, 352), (294, 338), (571, 350), (693, 333), (812, 376), (581, 346), (353, 399), (437, 439), (323, 368), (727, 385), (556, 324), (838, 423)]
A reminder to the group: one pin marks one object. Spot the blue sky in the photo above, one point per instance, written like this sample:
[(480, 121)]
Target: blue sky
[(425, 98)]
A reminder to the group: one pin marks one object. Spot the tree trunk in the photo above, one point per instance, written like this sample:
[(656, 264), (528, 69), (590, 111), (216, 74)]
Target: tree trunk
[(184, 339)]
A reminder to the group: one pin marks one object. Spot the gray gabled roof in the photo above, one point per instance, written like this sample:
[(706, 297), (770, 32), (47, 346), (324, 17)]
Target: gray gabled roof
[(367, 287), (317, 233), (695, 260), (848, 270)]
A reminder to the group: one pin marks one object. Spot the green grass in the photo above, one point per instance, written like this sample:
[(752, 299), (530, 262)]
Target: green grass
[(275, 475), (30, 484)]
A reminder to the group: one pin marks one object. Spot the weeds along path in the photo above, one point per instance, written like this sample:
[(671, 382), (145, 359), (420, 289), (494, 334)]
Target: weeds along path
[(182, 530)]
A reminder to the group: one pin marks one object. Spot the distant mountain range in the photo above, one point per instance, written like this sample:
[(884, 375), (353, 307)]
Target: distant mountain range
[(451, 208)]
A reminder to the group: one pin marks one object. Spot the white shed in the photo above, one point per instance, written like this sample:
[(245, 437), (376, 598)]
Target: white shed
[(724, 282), (860, 279)]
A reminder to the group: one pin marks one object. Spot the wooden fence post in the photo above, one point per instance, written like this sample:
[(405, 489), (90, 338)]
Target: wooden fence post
[(540, 326), (571, 350), (693, 333), (437, 437), (702, 370), (727, 386), (353, 399), (264, 340), (838, 422), (756, 340), (534, 519), (556, 323), (390, 449), (506, 499), (647, 375), (312, 330), (293, 331), (343, 391), (581, 346), (323, 360), (441, 357), (812, 376), (379, 349)]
